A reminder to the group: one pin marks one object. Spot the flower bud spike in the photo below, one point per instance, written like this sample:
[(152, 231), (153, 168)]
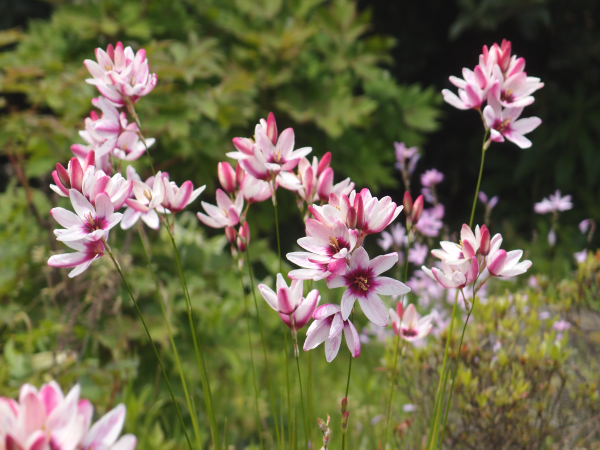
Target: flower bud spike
[(408, 203), (244, 237), (351, 218), (272, 128), (344, 405), (417, 210), (345, 417), (227, 177), (360, 212), (240, 174), (63, 175), (324, 163), (230, 234), (484, 245), (76, 174)]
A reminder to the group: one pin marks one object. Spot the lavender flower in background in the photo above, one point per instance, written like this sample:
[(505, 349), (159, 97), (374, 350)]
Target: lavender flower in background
[(554, 204), (489, 205), (407, 159), (430, 222), (429, 179), (581, 256)]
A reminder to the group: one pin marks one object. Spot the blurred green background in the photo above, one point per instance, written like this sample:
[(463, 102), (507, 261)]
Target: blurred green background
[(350, 78)]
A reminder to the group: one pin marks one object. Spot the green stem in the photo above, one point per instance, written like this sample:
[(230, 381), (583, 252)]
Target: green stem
[(456, 361), (214, 431), (162, 368), (297, 355), (170, 333), (277, 231), (440, 391), (483, 149), (389, 409), (287, 379), (309, 398), (347, 387), (251, 361), (264, 346)]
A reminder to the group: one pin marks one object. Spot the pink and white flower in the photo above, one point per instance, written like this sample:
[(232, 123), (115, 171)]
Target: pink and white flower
[(90, 223), (87, 252), (147, 200), (363, 283), (269, 155), (505, 123), (177, 198), (254, 190), (72, 176), (226, 214), (456, 275), (515, 90), (506, 264), (47, 419), (129, 147), (409, 324), (327, 327), (116, 187), (289, 302), (120, 74)]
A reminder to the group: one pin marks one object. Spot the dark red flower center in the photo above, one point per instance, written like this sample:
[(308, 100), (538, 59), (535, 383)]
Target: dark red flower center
[(409, 332)]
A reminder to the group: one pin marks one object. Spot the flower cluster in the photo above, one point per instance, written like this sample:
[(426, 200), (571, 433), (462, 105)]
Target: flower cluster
[(95, 193), (475, 259), (554, 203), (500, 80), (48, 419)]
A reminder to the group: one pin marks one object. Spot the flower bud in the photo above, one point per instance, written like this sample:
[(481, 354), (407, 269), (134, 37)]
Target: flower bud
[(89, 160), (272, 128), (415, 214), (63, 175), (360, 212), (227, 177), (244, 237), (240, 174), (76, 174), (230, 234), (323, 424), (408, 203), (324, 163), (484, 244), (345, 417), (400, 310), (351, 218), (344, 405)]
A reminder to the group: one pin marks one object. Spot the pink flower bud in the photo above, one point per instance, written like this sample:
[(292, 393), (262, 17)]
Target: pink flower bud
[(63, 176), (504, 56), (76, 174), (272, 128), (324, 163), (496, 264), (351, 218), (230, 234), (400, 310), (360, 212), (227, 177), (240, 174), (408, 203), (484, 244), (417, 210), (244, 238), (344, 405), (345, 418)]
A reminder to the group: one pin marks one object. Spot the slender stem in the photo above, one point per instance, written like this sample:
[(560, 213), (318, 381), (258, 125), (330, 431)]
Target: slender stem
[(347, 386), (456, 361), (162, 368), (264, 346), (277, 231), (287, 379), (309, 398), (297, 355), (483, 149), (251, 361), (170, 333), (214, 431), (439, 396), (135, 116), (389, 409)]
